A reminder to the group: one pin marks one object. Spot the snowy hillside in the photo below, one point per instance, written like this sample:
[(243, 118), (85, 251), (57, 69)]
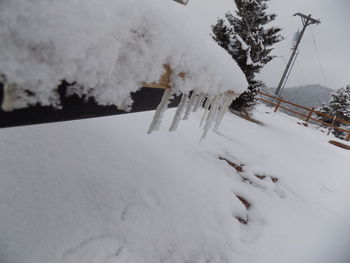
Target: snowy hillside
[(102, 190), (308, 95)]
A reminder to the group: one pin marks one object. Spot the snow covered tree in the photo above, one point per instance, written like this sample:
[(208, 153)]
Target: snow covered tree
[(338, 106), (248, 39)]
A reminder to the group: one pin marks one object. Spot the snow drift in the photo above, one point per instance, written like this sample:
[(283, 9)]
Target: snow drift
[(108, 48), (102, 190)]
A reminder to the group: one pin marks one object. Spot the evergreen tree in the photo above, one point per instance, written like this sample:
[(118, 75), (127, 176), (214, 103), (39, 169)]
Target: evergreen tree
[(338, 106), (248, 40)]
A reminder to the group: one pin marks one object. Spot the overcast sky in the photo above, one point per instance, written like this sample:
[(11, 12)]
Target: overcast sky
[(332, 39)]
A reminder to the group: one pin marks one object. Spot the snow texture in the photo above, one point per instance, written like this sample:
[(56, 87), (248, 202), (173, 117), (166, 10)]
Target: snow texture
[(102, 190), (109, 48)]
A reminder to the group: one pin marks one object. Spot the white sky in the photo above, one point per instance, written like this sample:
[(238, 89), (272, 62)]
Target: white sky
[(332, 39)]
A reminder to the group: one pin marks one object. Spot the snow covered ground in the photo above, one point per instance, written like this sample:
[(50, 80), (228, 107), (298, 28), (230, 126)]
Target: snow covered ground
[(102, 190)]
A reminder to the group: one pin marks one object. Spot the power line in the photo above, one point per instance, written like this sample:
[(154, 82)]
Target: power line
[(290, 70), (301, 70), (318, 59)]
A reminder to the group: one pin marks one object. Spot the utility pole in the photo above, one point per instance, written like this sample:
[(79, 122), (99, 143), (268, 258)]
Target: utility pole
[(306, 20), (184, 2)]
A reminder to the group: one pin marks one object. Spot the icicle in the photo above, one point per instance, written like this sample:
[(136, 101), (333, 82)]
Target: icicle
[(190, 105), (206, 110), (213, 111), (163, 105), (179, 111), (215, 108), (217, 99), (219, 106), (224, 109), (199, 102), (195, 102), (9, 97)]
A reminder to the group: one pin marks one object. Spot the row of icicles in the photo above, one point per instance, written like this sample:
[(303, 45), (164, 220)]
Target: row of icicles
[(214, 107)]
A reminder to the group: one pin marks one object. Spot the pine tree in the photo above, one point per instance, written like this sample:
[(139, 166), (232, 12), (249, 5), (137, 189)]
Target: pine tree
[(248, 39), (338, 106)]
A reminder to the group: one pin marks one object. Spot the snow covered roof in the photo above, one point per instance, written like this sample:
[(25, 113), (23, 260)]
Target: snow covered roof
[(109, 48)]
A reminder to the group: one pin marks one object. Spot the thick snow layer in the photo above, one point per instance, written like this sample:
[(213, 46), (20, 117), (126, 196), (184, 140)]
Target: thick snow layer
[(102, 190), (109, 48)]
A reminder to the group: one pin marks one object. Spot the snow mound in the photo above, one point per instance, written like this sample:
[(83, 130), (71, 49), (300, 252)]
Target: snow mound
[(108, 48)]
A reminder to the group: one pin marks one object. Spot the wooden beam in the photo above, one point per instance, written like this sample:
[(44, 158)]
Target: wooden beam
[(154, 85), (164, 80), (309, 115), (308, 18)]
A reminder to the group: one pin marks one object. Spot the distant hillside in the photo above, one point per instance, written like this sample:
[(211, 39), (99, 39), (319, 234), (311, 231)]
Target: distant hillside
[(308, 95)]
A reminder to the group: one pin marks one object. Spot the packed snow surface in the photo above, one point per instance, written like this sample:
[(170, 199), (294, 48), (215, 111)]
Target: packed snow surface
[(108, 48), (102, 190)]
